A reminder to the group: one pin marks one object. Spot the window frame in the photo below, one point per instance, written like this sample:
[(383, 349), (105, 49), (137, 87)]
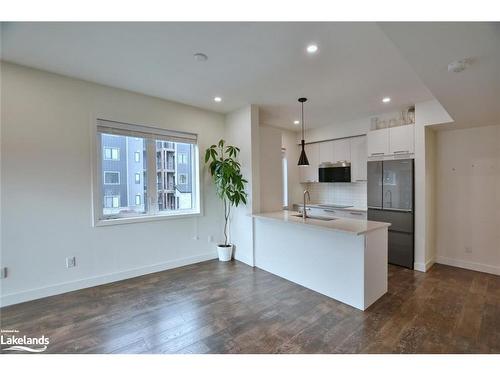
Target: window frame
[(153, 213), (186, 181), (117, 149), (184, 159), (112, 200), (137, 156), (111, 183)]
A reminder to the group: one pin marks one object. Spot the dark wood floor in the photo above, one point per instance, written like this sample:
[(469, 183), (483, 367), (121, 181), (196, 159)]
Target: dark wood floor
[(214, 307)]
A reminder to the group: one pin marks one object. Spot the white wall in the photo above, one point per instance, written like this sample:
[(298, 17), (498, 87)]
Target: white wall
[(289, 143), (242, 130), (271, 169), (468, 198), (46, 187), (427, 114)]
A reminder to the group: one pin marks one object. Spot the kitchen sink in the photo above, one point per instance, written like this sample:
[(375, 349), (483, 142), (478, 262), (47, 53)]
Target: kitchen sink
[(323, 218)]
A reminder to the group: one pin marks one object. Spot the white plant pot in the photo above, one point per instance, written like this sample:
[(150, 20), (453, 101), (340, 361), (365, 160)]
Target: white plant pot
[(225, 252)]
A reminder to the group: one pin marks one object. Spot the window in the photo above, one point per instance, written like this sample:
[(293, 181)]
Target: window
[(183, 178), (154, 155), (285, 178), (112, 201), (112, 178), (182, 157), (111, 153)]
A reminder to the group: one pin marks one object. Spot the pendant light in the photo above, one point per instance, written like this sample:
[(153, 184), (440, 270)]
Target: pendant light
[(303, 157)]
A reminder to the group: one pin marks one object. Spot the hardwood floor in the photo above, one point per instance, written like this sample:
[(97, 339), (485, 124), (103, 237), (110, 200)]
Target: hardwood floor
[(215, 307)]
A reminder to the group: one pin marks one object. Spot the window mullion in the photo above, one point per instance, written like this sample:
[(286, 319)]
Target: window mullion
[(152, 189)]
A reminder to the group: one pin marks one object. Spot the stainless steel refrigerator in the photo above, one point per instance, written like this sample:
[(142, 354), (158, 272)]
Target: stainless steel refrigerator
[(390, 199)]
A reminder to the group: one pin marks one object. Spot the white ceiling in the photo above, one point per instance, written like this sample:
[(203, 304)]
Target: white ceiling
[(258, 63), (471, 97)]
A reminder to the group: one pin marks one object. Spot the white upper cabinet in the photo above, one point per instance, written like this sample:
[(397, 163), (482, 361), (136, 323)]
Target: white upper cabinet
[(342, 150), (401, 140), (358, 159), (310, 173), (326, 154), (378, 142)]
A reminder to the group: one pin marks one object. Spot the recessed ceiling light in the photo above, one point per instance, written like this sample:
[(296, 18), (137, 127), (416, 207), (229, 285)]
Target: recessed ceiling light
[(218, 99), (312, 48), (386, 99), (200, 57), (296, 122)]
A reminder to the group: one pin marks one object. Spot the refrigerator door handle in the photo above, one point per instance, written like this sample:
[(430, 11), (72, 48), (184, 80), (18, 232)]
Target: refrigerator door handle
[(397, 209)]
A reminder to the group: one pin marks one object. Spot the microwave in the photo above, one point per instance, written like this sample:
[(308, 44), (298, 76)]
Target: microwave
[(335, 172)]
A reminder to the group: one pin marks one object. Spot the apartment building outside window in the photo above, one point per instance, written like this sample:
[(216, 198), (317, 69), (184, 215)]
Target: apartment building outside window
[(167, 156)]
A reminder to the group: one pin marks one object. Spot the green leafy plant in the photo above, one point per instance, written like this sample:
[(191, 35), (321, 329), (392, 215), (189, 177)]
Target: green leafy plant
[(226, 173)]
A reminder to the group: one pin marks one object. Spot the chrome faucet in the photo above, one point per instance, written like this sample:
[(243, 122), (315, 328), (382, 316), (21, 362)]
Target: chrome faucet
[(304, 215)]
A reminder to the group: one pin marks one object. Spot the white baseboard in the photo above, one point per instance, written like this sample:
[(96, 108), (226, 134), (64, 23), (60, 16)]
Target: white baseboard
[(423, 267), (495, 270), (51, 290)]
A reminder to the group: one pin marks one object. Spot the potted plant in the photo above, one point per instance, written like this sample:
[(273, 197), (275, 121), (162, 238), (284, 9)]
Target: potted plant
[(230, 185)]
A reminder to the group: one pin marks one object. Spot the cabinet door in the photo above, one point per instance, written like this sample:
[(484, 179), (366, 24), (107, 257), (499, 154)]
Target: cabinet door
[(358, 159), (326, 152), (401, 140), (378, 142), (341, 150), (310, 173)]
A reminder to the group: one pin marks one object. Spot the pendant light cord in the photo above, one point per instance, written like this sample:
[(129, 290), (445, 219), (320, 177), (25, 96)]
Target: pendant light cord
[(302, 120)]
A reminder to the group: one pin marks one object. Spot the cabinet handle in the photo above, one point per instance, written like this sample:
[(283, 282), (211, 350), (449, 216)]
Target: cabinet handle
[(356, 213), (377, 153), (332, 211), (401, 152)]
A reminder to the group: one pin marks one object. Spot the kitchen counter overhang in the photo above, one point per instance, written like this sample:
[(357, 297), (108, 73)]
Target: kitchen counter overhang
[(345, 259)]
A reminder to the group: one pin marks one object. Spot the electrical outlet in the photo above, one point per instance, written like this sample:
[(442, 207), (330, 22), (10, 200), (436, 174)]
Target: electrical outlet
[(70, 262), (468, 250), (210, 238), (3, 273)]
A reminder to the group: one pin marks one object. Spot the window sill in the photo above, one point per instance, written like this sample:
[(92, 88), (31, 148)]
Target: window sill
[(145, 218)]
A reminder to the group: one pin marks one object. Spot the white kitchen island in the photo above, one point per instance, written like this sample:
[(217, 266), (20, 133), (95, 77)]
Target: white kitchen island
[(345, 259)]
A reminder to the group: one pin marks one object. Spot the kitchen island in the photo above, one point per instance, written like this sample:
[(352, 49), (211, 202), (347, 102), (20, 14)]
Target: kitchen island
[(345, 259)]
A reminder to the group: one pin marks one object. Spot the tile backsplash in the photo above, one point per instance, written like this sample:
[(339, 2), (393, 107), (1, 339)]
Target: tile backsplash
[(339, 193)]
